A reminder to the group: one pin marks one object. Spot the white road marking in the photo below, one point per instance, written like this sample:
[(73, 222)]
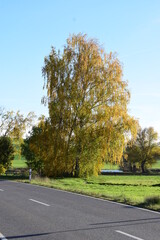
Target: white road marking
[(2, 237), (1, 190), (45, 204), (129, 235)]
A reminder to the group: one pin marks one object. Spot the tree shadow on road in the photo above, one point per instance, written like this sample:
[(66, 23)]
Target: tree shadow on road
[(107, 226), (28, 235), (127, 221)]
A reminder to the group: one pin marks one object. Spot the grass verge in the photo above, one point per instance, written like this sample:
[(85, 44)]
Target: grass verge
[(142, 191)]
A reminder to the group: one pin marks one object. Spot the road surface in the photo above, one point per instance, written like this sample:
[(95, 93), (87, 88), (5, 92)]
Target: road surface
[(39, 213)]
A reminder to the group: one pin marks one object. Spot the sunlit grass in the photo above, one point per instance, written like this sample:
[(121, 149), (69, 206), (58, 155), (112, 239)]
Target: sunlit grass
[(19, 163), (133, 190), (156, 165), (110, 166)]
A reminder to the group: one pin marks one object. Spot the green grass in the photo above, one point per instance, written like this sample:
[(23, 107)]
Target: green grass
[(133, 190), (110, 166), (156, 165), (137, 190), (19, 163)]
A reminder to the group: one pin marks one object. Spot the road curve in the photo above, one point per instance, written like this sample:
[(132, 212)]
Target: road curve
[(34, 212)]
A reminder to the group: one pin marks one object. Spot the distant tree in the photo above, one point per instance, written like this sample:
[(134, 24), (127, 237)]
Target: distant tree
[(87, 101), (30, 149), (6, 153), (14, 125), (145, 150)]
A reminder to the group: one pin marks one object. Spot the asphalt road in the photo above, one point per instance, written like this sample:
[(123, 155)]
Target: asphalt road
[(33, 212)]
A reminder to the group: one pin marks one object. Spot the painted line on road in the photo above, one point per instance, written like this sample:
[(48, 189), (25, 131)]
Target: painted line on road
[(45, 204), (129, 235), (2, 237), (1, 190)]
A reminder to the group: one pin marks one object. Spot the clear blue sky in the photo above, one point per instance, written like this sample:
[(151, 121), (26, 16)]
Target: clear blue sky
[(28, 29)]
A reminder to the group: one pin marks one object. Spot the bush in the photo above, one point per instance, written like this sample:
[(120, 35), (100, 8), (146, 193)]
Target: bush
[(6, 153)]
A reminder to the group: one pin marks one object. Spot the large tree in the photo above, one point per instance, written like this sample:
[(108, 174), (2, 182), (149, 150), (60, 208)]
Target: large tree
[(87, 100), (145, 150)]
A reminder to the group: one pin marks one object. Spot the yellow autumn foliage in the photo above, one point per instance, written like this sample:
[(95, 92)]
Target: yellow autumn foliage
[(87, 100)]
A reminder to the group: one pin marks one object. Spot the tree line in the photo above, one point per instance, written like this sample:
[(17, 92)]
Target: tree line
[(88, 119)]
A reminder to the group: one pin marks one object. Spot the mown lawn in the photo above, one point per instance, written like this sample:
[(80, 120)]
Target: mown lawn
[(132, 189)]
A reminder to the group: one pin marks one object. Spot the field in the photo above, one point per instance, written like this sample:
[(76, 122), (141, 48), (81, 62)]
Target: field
[(109, 166), (143, 191), (19, 163), (156, 165)]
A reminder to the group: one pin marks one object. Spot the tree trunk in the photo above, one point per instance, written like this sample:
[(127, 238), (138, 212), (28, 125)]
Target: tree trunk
[(79, 149), (134, 168), (143, 167), (130, 166), (77, 167)]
